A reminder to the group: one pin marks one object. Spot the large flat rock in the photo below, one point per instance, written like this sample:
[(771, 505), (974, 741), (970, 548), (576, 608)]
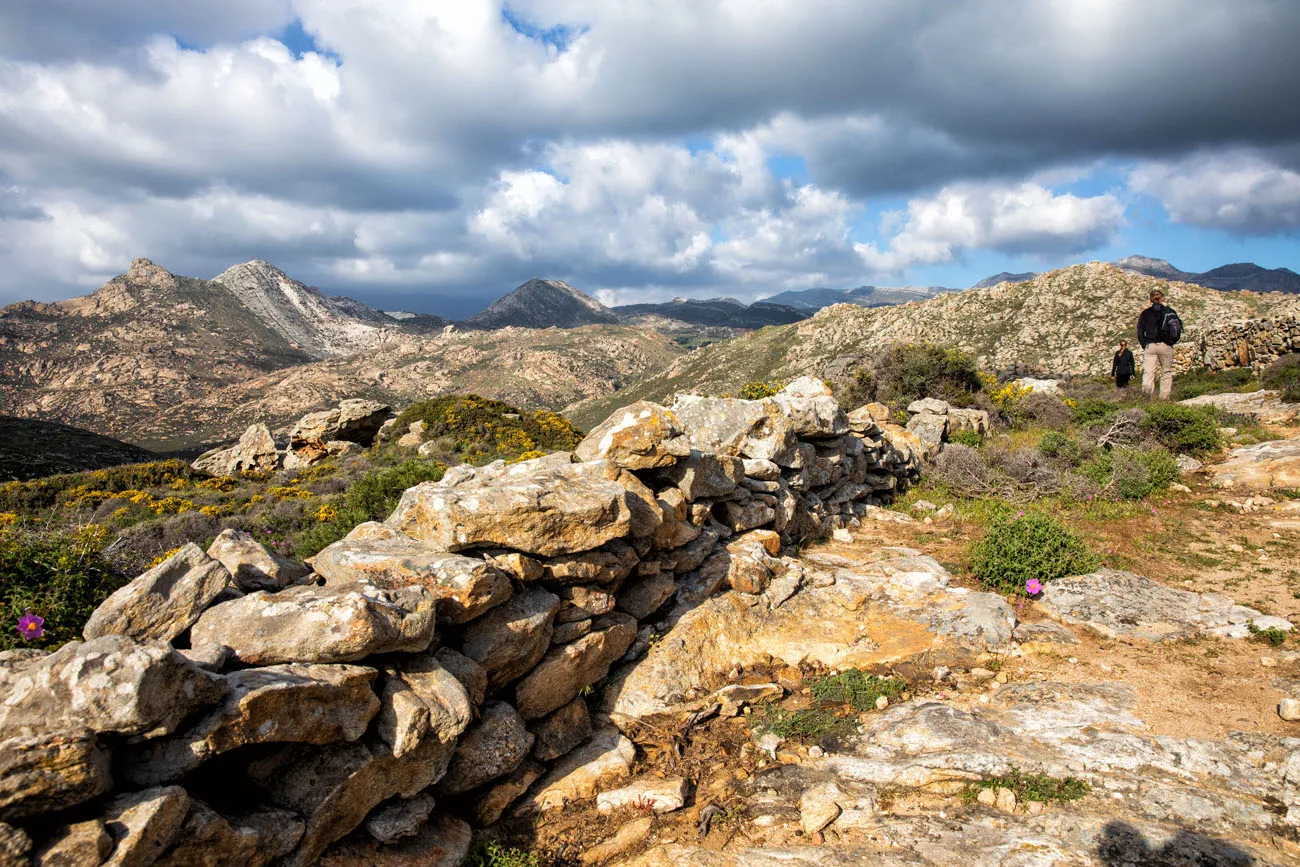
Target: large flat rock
[(1265, 405), (1268, 466)]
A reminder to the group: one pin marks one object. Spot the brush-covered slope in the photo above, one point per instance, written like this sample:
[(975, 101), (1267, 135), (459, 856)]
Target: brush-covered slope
[(30, 449), (543, 304), (1065, 321)]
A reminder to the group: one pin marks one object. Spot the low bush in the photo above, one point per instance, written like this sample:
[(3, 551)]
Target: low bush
[(1183, 429), (969, 438), (480, 430), (1053, 443), (490, 853), (36, 494), (962, 469), (60, 576), (1270, 635), (1047, 410), (1131, 474), (1031, 787), (908, 372), (759, 390), (370, 498), (1092, 410), (1284, 376), (1028, 545), (1195, 383), (855, 688)]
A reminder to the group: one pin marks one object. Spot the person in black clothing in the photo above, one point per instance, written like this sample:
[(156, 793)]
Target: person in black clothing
[(1122, 366), (1157, 346)]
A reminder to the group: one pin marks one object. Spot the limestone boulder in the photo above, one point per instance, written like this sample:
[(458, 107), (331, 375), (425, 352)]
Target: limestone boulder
[(973, 420), (252, 566), (812, 409), (1269, 466), (464, 587), (758, 429), (739, 517), (702, 475), (566, 670), (399, 819), (509, 640), (660, 796), (930, 429), (471, 676), (606, 565), (111, 685), (299, 703), (42, 773), (642, 436), (492, 803), (442, 842), (420, 699), (209, 839), (354, 420), (490, 748), (543, 507), (1113, 603), (163, 602), (341, 623), (1039, 386), (144, 824), (560, 732), (255, 452), (641, 597), (335, 787), (604, 761), (930, 405), (75, 844)]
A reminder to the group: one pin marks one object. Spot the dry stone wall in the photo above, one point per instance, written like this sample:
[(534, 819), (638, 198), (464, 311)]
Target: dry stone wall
[(1249, 343), (429, 672)]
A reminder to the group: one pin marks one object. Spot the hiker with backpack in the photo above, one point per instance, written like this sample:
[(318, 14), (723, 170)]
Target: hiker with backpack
[(1159, 328), (1122, 366)]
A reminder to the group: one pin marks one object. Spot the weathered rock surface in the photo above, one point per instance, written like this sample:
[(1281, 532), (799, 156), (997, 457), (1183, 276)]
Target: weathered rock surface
[(252, 566), (703, 474), (882, 607), (930, 430), (493, 801), (209, 839), (50, 771), (471, 675), (111, 685), (642, 436), (566, 670), (320, 624), (354, 420), (492, 747), (740, 428), (560, 732), (443, 842), (661, 796), (1273, 465), (144, 825), (15, 845), (464, 587), (508, 641), (1115, 604), (606, 759), (75, 845), (631, 834), (544, 507), (163, 602), (400, 819), (300, 703), (254, 452), (1265, 405)]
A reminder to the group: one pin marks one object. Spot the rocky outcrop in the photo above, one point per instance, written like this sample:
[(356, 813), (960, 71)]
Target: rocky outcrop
[(254, 452), (354, 423), (1268, 466), (438, 665)]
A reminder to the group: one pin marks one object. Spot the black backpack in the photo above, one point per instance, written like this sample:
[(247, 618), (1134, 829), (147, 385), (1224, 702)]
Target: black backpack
[(1171, 327)]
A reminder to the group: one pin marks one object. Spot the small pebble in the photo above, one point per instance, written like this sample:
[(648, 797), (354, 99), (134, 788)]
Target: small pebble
[(987, 797), (816, 752), (882, 702), (1073, 660), (1035, 808), (1267, 661), (1289, 709)]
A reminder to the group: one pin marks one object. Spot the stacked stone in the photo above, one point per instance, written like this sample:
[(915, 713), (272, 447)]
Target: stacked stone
[(232, 707), (1251, 343), (931, 421)]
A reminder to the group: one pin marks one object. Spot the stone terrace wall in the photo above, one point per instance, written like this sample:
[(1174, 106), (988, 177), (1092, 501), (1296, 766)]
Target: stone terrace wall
[(1250, 343), (230, 707)]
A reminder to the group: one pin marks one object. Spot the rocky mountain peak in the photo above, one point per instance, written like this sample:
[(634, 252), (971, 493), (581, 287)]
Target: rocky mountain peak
[(1150, 267), (542, 303)]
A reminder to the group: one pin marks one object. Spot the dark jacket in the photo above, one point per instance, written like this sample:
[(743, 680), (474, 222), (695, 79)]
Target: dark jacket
[(1122, 365), (1149, 325)]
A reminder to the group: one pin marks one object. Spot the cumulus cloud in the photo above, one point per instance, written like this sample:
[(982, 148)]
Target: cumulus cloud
[(1025, 218), (455, 146), (1240, 192)]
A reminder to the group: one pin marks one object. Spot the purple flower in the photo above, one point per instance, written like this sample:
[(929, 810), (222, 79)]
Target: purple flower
[(1020, 514), (1033, 586), (31, 626)]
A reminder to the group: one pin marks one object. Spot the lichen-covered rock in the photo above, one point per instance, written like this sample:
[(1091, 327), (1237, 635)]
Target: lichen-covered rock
[(399, 819), (495, 799), (930, 429), (1268, 466), (354, 420), (111, 685), (490, 748), (254, 452), (15, 845), (612, 562), (642, 436), (252, 566), (811, 408), (75, 845), (973, 420), (661, 796), (758, 429), (341, 623), (606, 759), (543, 507), (465, 587), (209, 839), (421, 699), (929, 404), (144, 824), (561, 731), (45, 772), (566, 670), (701, 475), (299, 703), (471, 675), (509, 640), (163, 602), (641, 597), (335, 787)]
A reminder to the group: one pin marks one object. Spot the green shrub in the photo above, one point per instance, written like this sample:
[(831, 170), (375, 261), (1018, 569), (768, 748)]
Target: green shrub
[(1284, 376), (1031, 787), (908, 372), (966, 438), (853, 687), (1091, 410), (1138, 473), (1270, 635), (1195, 383), (1183, 429), (1053, 443), (1018, 548), (43, 493), (809, 722), (490, 853), (58, 575), (760, 390), (481, 430), (370, 498)]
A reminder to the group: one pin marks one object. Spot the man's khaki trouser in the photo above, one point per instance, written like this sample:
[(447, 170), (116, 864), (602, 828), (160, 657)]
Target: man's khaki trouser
[(1158, 355)]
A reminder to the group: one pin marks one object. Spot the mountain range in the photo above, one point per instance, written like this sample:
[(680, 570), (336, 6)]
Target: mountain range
[(1239, 276)]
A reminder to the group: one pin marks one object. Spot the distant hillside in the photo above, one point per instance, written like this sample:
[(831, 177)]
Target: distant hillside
[(1240, 276), (864, 296), (717, 312), (1005, 277), (543, 304), (31, 449), (1065, 321)]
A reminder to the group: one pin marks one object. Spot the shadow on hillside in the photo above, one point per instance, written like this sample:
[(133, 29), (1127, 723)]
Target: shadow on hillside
[(1122, 845)]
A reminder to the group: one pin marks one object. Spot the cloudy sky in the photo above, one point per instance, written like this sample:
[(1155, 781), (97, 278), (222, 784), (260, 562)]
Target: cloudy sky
[(432, 154)]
